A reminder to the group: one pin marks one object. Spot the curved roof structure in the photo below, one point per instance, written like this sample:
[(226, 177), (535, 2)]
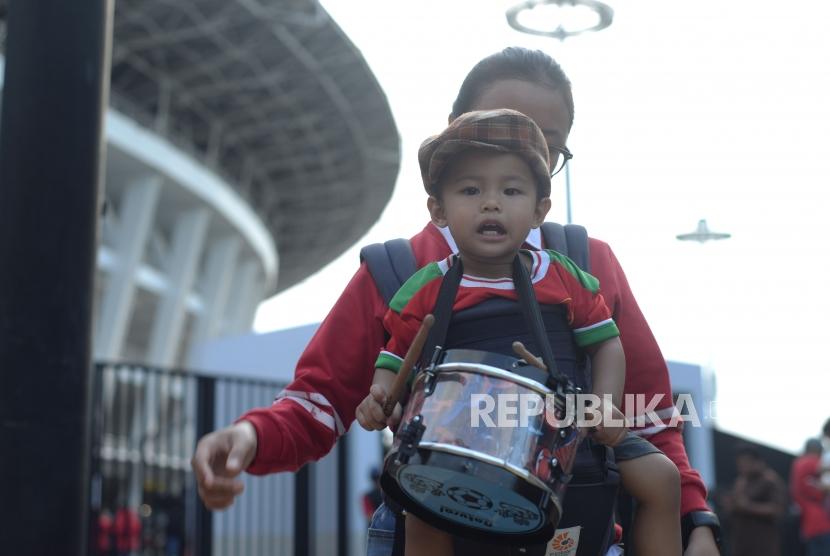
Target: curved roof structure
[(271, 95)]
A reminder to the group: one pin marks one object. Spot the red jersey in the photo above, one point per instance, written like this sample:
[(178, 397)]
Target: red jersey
[(805, 491), (556, 280), (335, 371)]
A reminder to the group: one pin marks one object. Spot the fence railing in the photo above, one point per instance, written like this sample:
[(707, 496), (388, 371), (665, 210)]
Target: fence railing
[(146, 422)]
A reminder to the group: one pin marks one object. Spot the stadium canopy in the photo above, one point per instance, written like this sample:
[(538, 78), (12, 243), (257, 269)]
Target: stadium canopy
[(272, 96)]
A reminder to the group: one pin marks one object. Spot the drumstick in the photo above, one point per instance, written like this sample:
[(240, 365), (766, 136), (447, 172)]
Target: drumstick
[(412, 354), (522, 352)]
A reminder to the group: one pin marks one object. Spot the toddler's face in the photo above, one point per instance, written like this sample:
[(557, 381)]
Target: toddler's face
[(489, 201)]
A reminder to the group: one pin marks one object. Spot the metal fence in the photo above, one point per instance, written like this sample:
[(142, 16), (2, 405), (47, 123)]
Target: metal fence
[(146, 422)]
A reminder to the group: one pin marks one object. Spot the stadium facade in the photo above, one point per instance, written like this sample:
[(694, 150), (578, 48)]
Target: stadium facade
[(248, 144)]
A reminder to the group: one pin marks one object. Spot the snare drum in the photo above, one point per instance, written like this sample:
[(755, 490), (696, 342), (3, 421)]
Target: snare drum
[(465, 465)]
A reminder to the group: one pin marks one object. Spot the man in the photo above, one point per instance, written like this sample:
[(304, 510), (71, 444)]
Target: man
[(756, 503), (806, 491)]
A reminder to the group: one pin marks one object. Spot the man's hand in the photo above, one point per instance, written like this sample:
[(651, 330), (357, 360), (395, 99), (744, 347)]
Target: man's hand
[(701, 543), (220, 457), (370, 411)]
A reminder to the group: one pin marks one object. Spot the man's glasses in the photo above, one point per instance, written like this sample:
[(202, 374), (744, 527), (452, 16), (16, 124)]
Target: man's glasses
[(559, 156)]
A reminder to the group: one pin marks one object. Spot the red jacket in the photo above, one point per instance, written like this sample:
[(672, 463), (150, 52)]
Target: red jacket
[(335, 371), (804, 476)]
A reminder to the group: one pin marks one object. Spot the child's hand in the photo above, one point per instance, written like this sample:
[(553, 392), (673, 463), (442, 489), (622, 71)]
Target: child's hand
[(370, 411), (611, 432)]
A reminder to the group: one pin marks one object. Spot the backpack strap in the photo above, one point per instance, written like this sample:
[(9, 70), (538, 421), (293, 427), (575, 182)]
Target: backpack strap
[(391, 264), (571, 240)]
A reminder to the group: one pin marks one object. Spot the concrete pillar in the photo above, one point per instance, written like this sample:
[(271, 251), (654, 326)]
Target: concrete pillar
[(246, 289), (137, 211), (188, 240), (221, 262)]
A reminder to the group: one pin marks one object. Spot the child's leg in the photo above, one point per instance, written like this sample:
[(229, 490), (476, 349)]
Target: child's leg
[(653, 480), (424, 540)]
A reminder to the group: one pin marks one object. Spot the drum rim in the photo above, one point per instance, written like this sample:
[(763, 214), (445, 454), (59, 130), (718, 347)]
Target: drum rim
[(491, 460), (481, 368)]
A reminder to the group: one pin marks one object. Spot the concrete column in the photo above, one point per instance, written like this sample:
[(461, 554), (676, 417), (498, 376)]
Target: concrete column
[(188, 240), (245, 288), (256, 293), (137, 211), (221, 263)]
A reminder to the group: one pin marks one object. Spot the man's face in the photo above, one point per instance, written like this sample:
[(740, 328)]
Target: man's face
[(489, 201), (748, 465), (541, 104)]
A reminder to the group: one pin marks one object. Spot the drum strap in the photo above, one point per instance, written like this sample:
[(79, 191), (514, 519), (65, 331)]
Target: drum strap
[(442, 311), (533, 318)]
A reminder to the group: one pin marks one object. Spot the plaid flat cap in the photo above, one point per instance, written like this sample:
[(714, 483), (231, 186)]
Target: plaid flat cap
[(500, 130)]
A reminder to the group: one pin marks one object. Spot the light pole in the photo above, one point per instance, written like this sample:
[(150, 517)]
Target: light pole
[(566, 20)]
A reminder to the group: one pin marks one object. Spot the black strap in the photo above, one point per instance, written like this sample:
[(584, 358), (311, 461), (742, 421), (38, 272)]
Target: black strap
[(533, 317), (442, 311), (390, 264), (571, 240)]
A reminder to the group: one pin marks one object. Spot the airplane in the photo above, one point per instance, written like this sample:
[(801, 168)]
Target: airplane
[(702, 234)]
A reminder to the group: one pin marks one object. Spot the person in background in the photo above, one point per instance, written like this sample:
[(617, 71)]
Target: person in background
[(825, 462), (372, 498), (127, 527), (806, 492), (756, 504), (104, 533)]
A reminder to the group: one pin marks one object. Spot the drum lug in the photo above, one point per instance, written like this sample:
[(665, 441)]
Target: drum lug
[(558, 475), (410, 437), (429, 382)]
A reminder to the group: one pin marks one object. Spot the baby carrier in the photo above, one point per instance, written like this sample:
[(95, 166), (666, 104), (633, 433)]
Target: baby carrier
[(589, 501)]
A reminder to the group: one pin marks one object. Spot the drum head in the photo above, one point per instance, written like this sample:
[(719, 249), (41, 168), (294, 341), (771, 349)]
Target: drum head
[(471, 498)]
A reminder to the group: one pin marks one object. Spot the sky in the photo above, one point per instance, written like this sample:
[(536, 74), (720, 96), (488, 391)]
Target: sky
[(683, 111)]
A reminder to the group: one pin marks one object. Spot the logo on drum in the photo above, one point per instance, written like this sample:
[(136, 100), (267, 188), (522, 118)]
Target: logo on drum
[(519, 515), (470, 498), (464, 515), (422, 485)]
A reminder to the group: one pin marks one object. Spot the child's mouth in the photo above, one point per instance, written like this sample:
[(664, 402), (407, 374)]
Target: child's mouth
[(491, 229)]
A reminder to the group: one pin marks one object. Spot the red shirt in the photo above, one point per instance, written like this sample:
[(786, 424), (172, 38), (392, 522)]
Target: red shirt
[(335, 371), (804, 476)]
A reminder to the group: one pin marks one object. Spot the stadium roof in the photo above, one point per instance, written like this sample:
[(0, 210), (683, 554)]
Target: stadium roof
[(272, 96)]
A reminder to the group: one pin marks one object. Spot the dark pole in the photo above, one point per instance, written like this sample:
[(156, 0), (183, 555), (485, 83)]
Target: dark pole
[(343, 501), (202, 531), (55, 91), (303, 508)]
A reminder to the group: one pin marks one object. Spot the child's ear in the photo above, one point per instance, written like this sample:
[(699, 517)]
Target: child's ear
[(436, 212), (542, 209)]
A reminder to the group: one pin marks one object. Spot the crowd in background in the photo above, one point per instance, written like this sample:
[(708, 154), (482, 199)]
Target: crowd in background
[(762, 516)]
